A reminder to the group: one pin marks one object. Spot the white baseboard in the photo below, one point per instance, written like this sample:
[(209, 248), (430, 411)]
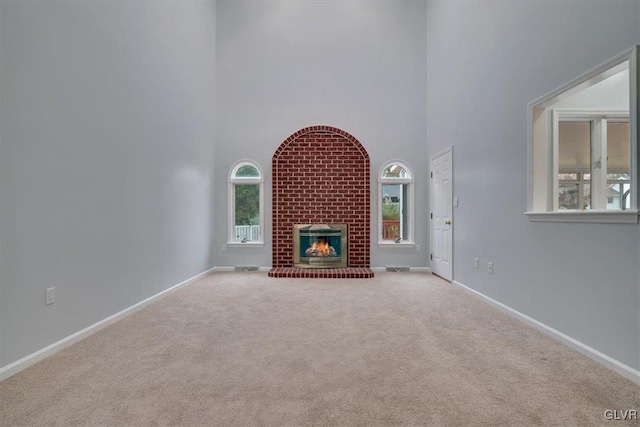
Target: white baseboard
[(411, 269), (25, 362), (226, 269), (220, 269), (374, 269), (622, 369)]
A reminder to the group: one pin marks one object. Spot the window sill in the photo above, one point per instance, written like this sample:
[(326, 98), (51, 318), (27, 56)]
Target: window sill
[(600, 217), (392, 244), (251, 244)]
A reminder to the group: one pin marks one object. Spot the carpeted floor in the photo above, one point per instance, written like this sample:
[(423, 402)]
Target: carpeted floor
[(245, 349)]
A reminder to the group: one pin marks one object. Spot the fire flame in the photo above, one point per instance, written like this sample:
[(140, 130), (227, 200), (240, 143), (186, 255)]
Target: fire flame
[(320, 247)]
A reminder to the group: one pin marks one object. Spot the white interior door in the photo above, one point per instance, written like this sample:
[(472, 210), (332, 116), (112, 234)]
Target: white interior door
[(442, 214)]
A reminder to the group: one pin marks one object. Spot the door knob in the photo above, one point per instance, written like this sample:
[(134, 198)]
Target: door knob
[(447, 222)]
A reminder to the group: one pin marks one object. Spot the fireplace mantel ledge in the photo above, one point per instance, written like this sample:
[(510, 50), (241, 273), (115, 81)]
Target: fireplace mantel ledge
[(403, 244)]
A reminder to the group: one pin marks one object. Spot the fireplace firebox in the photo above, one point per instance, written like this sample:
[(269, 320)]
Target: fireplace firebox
[(320, 245)]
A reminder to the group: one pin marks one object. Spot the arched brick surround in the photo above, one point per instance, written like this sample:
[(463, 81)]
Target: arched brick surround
[(321, 176)]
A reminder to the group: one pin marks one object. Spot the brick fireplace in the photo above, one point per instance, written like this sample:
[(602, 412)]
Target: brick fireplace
[(321, 175)]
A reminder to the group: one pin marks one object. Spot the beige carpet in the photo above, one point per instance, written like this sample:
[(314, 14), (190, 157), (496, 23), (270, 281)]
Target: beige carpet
[(245, 349)]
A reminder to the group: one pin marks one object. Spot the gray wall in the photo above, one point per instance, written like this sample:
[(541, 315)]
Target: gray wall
[(638, 153), (358, 65), (107, 130), (105, 159), (486, 61)]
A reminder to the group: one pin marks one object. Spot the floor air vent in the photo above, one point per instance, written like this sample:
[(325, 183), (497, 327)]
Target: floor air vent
[(246, 268), (396, 269)]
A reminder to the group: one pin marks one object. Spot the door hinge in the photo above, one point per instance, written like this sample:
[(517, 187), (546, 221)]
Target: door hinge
[(430, 256), (431, 215), (431, 174)]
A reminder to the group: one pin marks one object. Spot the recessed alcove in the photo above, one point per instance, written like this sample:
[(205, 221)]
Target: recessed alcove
[(321, 175)]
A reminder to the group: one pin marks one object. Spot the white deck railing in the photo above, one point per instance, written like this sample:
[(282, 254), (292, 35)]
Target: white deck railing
[(249, 232)]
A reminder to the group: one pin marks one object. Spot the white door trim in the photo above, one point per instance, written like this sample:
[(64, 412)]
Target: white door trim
[(446, 150), (443, 151)]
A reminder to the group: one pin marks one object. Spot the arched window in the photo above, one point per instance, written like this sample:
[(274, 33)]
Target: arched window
[(395, 203), (246, 207)]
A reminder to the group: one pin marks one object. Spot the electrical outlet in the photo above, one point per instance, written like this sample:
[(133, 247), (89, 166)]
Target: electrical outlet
[(51, 295), (417, 248), (490, 267), (476, 263)]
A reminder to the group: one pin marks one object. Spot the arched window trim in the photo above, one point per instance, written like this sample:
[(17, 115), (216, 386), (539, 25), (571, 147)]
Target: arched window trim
[(409, 181), (396, 180), (232, 181), (245, 179)]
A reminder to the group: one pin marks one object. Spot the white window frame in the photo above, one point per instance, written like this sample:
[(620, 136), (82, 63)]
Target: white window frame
[(542, 182), (598, 167), (409, 181), (232, 181)]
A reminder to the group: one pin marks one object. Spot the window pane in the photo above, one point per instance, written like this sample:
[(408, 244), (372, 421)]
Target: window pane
[(618, 163), (247, 171), (405, 212), (618, 177), (246, 212), (618, 195), (586, 195), (568, 176), (574, 151), (618, 158), (395, 171), (574, 146), (626, 200), (614, 196), (568, 196), (392, 206)]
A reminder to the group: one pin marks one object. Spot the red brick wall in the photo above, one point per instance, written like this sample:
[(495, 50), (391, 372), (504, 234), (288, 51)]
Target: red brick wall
[(321, 176)]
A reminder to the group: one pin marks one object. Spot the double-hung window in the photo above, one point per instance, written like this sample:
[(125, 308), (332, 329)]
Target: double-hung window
[(593, 159)]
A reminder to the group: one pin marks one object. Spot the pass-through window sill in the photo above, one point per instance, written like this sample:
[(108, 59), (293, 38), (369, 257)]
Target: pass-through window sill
[(598, 217)]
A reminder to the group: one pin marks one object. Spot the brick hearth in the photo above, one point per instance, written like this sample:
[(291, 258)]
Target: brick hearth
[(321, 176), (325, 273)]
